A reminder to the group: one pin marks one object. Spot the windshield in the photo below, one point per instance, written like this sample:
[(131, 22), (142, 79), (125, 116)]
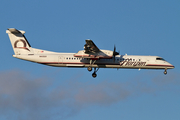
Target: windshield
[(160, 59)]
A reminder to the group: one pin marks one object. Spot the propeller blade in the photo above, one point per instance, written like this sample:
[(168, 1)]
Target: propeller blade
[(115, 53), (114, 48)]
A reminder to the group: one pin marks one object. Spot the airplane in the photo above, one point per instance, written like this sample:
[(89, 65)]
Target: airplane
[(91, 57)]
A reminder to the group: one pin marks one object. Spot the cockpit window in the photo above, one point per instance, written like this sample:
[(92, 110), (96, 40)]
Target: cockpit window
[(160, 59)]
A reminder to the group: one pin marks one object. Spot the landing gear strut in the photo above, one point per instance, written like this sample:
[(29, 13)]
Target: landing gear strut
[(165, 72), (94, 73), (90, 68), (91, 63)]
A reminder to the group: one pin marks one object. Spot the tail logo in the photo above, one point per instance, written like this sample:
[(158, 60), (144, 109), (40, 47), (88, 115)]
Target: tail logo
[(20, 44)]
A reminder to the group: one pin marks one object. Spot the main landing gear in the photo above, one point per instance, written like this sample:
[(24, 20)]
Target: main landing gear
[(94, 73), (165, 72), (90, 68)]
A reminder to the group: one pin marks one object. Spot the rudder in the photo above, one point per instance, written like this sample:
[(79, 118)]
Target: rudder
[(19, 42)]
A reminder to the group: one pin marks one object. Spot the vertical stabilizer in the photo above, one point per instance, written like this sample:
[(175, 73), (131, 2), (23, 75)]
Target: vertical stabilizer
[(19, 42)]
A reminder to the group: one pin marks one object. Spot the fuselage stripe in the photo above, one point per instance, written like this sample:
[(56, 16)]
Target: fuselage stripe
[(150, 65), (159, 65)]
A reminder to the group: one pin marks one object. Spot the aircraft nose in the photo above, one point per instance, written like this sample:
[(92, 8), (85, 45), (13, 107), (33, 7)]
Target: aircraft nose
[(172, 66)]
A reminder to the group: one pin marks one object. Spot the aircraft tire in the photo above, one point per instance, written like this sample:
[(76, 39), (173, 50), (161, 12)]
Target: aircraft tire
[(89, 69), (94, 75), (165, 72)]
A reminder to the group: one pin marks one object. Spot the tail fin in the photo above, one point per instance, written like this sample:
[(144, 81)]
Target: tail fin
[(19, 42)]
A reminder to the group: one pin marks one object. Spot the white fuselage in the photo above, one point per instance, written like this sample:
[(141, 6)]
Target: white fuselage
[(121, 61)]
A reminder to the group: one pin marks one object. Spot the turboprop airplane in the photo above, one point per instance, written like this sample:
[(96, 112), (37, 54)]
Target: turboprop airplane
[(90, 57)]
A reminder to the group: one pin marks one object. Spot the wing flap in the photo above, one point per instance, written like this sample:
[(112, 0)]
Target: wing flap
[(99, 55)]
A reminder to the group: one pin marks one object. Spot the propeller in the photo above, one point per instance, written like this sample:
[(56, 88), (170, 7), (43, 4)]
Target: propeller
[(115, 53)]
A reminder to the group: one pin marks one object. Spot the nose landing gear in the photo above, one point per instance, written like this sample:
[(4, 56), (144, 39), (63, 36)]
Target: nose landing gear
[(165, 72)]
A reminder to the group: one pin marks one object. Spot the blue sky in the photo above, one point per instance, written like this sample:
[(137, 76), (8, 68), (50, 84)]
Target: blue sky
[(32, 91)]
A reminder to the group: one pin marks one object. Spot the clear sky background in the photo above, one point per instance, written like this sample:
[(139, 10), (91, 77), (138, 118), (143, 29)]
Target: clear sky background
[(30, 91)]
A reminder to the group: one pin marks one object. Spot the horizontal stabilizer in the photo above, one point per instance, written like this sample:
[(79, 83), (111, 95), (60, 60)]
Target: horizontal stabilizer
[(15, 31)]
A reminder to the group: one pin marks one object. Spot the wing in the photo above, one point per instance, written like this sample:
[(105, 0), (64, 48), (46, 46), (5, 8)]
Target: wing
[(93, 52), (90, 47)]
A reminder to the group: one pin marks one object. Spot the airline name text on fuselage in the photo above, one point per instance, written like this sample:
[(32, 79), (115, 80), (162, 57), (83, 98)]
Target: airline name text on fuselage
[(130, 63)]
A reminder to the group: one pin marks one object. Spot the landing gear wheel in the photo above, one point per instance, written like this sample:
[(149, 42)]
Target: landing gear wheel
[(94, 75), (165, 72), (89, 69)]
